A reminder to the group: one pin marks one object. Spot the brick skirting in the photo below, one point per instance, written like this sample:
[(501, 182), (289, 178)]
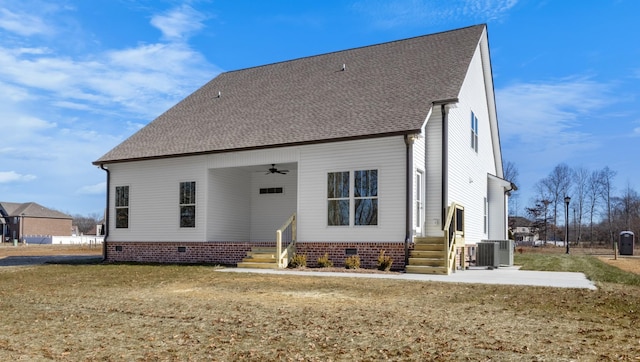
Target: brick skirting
[(367, 251), (230, 253)]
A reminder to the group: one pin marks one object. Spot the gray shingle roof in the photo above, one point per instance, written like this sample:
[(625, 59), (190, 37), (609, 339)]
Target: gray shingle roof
[(385, 89), (31, 209)]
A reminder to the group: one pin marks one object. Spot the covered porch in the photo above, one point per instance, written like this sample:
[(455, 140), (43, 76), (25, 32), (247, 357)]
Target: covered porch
[(255, 204)]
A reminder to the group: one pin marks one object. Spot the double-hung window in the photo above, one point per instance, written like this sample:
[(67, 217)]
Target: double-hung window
[(474, 132), (338, 198), (365, 191), (359, 200), (122, 207), (188, 204)]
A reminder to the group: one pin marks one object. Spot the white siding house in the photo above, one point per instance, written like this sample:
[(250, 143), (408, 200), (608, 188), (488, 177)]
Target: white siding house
[(363, 150)]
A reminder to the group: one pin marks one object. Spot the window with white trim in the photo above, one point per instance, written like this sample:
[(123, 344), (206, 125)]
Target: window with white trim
[(122, 207), (474, 132), (365, 192), (338, 198), (188, 204), (361, 201)]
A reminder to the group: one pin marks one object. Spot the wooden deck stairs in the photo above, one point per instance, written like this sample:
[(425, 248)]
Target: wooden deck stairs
[(260, 257), (428, 256)]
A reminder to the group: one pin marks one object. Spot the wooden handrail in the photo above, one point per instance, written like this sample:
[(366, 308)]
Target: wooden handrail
[(285, 255), (450, 234)]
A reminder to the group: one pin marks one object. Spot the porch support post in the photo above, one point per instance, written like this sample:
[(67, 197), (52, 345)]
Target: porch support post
[(105, 228), (408, 140)]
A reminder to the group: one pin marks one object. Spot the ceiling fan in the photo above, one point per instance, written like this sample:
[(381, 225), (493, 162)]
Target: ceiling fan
[(273, 169)]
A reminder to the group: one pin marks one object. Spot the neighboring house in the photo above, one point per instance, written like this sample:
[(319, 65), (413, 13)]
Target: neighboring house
[(390, 147), (523, 229), (20, 220)]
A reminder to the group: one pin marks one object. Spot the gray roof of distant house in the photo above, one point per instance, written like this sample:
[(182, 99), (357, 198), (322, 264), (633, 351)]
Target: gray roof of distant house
[(385, 89), (31, 209)]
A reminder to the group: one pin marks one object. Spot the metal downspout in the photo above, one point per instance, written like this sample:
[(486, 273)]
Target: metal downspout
[(408, 140), (445, 161), (106, 216)]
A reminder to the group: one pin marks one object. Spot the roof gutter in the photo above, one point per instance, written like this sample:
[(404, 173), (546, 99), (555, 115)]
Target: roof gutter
[(105, 228), (102, 161)]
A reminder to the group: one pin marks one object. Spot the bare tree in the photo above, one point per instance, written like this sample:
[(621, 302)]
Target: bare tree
[(557, 185), (629, 208), (510, 173), (580, 195), (606, 179), (594, 190), (87, 223)]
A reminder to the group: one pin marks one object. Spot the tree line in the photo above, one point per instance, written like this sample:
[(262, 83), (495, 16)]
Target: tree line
[(597, 211)]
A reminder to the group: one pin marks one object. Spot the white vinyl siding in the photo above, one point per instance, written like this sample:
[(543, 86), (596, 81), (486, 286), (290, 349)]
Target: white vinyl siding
[(497, 209), (467, 169), (270, 211), (153, 199), (229, 205), (387, 155), (433, 150)]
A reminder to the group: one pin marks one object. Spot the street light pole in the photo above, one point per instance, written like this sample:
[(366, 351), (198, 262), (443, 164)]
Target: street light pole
[(567, 199)]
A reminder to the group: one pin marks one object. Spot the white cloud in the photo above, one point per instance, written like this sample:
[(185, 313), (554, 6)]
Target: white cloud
[(99, 188), (531, 111), (388, 14), (64, 110), (179, 23), (12, 176), (22, 23)]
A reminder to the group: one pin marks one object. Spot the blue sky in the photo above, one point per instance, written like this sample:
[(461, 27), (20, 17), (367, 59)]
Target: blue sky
[(78, 77)]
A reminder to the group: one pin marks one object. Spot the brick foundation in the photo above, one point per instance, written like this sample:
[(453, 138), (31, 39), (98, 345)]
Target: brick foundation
[(230, 253), (367, 251), (223, 253)]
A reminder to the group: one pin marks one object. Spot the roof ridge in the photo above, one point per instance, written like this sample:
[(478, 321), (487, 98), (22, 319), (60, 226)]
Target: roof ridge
[(355, 48)]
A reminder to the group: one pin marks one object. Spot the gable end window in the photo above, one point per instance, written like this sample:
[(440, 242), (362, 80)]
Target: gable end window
[(122, 207), (188, 204), (352, 205), (474, 132)]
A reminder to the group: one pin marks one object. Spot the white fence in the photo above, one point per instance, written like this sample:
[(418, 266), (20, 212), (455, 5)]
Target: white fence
[(66, 240)]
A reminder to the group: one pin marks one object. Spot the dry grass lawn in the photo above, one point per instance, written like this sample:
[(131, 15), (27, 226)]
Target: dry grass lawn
[(90, 312)]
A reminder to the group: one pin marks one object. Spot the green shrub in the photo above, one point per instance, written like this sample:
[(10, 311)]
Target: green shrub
[(352, 262), (298, 261), (384, 261), (324, 261)]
